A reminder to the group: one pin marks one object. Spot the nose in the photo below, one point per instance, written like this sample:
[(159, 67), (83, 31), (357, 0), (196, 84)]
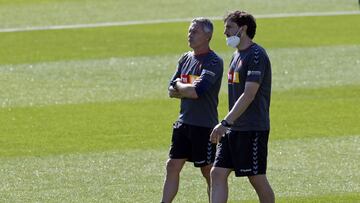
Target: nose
[(225, 32), (190, 33)]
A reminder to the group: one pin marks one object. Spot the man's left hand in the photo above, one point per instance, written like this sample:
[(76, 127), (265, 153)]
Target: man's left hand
[(217, 133)]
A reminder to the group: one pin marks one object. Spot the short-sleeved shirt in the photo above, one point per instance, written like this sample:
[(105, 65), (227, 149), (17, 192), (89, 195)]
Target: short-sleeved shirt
[(205, 72), (251, 65)]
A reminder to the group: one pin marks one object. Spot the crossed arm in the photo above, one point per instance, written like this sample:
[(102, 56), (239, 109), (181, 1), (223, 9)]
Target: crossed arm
[(181, 90)]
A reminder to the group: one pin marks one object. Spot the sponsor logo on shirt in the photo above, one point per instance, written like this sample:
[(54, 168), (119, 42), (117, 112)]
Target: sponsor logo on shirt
[(188, 79), (254, 73), (233, 77)]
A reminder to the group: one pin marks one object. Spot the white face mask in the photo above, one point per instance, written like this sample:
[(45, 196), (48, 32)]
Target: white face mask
[(233, 41)]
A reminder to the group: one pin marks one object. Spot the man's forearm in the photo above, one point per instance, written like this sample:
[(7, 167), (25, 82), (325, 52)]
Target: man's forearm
[(186, 90), (243, 102), (239, 108)]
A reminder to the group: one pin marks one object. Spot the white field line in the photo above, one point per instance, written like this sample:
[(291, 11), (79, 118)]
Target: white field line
[(110, 24)]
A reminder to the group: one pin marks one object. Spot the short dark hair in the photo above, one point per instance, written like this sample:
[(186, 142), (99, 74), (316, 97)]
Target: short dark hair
[(243, 18)]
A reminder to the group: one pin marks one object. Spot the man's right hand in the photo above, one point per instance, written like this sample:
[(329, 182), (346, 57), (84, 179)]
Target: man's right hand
[(173, 93)]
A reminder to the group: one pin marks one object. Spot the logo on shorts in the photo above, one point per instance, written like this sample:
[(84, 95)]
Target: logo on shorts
[(245, 170), (200, 162), (177, 125)]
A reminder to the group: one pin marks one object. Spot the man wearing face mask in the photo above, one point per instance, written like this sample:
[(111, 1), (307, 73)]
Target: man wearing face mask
[(242, 136), (196, 83)]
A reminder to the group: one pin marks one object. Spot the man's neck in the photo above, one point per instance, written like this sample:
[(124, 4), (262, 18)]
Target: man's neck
[(201, 50), (245, 44)]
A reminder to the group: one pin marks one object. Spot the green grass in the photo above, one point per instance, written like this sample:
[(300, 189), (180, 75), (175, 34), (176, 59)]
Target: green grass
[(146, 124), (24, 13), (85, 127), (315, 112), (334, 198), (85, 116), (299, 169), (108, 80), (159, 39)]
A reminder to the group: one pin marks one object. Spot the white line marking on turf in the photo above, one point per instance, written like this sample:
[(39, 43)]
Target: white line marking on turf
[(110, 24)]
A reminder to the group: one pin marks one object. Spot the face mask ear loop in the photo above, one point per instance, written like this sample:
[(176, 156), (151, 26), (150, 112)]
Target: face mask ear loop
[(237, 32)]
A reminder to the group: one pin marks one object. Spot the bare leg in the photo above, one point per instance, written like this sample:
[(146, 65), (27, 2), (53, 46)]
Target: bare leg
[(262, 188), (219, 184), (205, 170), (171, 183)]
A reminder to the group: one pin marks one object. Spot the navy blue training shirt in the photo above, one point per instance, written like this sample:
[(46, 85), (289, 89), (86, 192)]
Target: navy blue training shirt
[(251, 65), (205, 72)]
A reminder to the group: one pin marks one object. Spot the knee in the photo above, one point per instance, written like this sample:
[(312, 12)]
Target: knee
[(206, 171), (261, 184), (173, 166), (215, 174), (258, 180), (219, 175)]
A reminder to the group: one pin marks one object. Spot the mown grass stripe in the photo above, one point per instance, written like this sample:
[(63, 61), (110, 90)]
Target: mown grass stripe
[(143, 22), (300, 169), (112, 79), (146, 124), (159, 39)]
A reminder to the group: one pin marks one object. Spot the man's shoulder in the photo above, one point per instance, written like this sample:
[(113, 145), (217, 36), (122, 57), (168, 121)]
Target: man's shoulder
[(184, 56), (215, 65), (255, 53), (214, 59), (214, 55), (257, 49)]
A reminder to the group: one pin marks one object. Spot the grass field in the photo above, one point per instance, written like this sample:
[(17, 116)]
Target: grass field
[(85, 115)]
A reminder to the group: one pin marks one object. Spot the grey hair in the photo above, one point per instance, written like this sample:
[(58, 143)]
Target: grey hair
[(205, 23)]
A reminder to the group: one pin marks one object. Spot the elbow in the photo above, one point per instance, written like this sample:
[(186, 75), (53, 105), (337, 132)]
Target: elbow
[(188, 92), (252, 97), (249, 97), (194, 96), (191, 93)]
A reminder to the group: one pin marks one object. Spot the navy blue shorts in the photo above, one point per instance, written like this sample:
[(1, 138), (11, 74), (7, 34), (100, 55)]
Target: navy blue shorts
[(243, 151), (192, 143)]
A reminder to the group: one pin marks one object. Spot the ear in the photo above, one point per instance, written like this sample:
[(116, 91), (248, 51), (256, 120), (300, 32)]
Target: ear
[(244, 28)]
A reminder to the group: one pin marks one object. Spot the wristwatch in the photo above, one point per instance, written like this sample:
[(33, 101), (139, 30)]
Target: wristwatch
[(225, 123)]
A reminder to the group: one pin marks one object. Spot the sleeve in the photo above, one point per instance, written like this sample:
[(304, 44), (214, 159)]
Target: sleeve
[(212, 72), (177, 73), (256, 66)]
